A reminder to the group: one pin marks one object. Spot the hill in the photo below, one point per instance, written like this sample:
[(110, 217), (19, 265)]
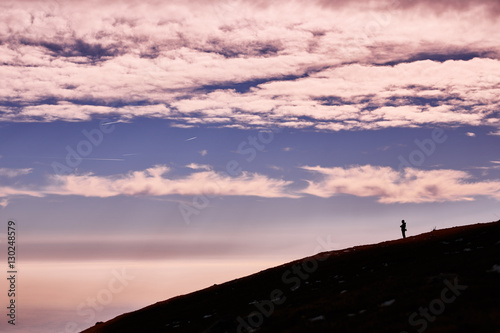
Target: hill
[(442, 281)]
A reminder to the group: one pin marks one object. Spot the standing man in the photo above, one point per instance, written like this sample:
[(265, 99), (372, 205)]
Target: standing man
[(403, 228)]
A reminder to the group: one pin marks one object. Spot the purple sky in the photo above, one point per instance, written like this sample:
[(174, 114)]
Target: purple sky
[(193, 143)]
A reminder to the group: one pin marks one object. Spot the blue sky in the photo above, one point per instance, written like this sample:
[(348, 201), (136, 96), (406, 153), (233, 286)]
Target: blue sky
[(191, 144)]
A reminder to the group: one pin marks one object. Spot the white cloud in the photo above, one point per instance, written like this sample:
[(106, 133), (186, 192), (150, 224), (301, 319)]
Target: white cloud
[(11, 173), (10, 191), (196, 166), (152, 182), (383, 183), (390, 186), (275, 167), (321, 64), (204, 152), (471, 134), (7, 191)]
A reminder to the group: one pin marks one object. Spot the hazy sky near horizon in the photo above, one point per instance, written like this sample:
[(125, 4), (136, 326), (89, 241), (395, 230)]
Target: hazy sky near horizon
[(191, 143)]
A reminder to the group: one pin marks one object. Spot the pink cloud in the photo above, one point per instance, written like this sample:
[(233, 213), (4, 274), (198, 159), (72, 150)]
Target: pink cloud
[(196, 166), (364, 52), (11, 173), (8, 191), (152, 182), (390, 186), (383, 183)]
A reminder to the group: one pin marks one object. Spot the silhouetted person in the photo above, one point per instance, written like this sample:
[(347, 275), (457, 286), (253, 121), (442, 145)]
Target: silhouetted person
[(403, 228)]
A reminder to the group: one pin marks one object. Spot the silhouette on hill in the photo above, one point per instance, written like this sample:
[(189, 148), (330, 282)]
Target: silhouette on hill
[(441, 281), (403, 228)]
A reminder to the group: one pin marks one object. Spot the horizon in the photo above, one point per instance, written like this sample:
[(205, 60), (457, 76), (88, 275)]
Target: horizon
[(149, 150)]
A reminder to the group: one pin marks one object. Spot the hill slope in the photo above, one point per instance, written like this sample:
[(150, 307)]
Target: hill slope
[(442, 281)]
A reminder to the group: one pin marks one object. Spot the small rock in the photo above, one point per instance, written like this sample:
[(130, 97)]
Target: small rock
[(495, 268), (387, 303)]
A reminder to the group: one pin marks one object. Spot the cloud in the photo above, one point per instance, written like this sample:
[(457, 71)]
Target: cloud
[(7, 191), (458, 5), (275, 167), (11, 173), (471, 134), (486, 169), (324, 65), (196, 166), (203, 152), (383, 183), (150, 247), (127, 248), (405, 95), (390, 186), (152, 182)]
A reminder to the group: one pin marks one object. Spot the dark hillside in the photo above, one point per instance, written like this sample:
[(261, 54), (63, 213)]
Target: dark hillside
[(442, 281)]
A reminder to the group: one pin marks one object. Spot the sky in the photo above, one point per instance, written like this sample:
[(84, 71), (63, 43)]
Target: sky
[(153, 148)]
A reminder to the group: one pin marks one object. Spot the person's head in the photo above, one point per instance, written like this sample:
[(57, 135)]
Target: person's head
[(403, 221)]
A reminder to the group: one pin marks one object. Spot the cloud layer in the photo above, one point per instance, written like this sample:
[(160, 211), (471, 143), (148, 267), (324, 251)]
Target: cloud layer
[(408, 186), (324, 65), (7, 191), (152, 182), (12, 173), (384, 184)]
